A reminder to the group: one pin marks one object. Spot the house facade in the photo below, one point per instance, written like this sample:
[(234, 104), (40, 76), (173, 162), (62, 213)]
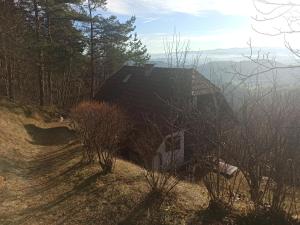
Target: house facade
[(166, 155), (153, 92)]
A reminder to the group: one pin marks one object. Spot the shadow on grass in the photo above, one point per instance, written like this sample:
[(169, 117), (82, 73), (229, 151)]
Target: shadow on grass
[(11, 166), (81, 187), (267, 217), (53, 182), (86, 186), (57, 166), (52, 160), (49, 136), (204, 217), (213, 216), (149, 209)]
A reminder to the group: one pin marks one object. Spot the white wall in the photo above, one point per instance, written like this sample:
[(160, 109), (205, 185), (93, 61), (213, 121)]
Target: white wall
[(167, 156)]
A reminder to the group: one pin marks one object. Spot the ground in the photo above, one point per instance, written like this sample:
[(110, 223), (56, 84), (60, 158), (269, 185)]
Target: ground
[(42, 180)]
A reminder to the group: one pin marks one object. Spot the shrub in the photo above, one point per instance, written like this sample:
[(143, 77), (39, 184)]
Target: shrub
[(162, 180), (111, 130), (101, 127), (85, 118)]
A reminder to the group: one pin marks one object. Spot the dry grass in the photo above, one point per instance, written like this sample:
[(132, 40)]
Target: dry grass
[(44, 182)]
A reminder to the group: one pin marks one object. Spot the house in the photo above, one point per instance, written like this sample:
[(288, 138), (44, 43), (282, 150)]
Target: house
[(165, 154), (154, 92)]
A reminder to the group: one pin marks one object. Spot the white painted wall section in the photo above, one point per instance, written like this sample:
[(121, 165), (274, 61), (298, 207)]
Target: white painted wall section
[(163, 158)]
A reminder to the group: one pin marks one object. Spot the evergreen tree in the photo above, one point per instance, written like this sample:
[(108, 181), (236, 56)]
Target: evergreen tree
[(111, 43), (14, 36), (90, 9), (115, 45), (56, 41), (53, 45), (137, 51)]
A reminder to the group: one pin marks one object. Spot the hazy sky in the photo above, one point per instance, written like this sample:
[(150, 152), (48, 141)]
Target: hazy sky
[(208, 24)]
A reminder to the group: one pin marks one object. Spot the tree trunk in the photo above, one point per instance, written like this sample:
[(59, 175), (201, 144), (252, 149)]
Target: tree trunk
[(40, 54), (41, 78), (49, 75), (49, 40), (91, 50), (10, 81)]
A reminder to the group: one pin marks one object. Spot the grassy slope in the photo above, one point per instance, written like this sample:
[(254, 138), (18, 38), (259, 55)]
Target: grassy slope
[(43, 182)]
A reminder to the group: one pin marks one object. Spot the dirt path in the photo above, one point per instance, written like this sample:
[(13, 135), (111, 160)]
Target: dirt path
[(46, 183), (42, 181), (35, 170)]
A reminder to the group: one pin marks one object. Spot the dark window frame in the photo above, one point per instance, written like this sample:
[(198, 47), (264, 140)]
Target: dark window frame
[(176, 142)]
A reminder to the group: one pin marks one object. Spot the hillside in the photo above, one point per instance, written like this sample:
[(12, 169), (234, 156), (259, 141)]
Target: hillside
[(283, 55), (43, 182)]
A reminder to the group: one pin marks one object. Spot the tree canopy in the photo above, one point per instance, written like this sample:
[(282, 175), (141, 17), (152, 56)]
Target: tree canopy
[(59, 52)]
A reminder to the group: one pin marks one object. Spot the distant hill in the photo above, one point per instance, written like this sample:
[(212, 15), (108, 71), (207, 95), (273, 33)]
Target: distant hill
[(226, 74), (232, 54), (228, 68), (220, 65), (222, 72)]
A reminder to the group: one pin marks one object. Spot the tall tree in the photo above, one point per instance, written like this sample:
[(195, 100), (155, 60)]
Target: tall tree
[(91, 9), (40, 62), (62, 39), (41, 41), (57, 41), (6, 29), (137, 51), (111, 43), (13, 38), (115, 44)]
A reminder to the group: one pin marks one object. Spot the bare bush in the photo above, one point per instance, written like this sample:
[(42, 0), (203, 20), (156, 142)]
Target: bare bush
[(210, 126), (111, 130), (85, 120), (101, 127), (250, 145), (161, 178), (261, 148)]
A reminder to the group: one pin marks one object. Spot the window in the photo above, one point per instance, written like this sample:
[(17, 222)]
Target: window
[(194, 100), (160, 160), (127, 78), (173, 143)]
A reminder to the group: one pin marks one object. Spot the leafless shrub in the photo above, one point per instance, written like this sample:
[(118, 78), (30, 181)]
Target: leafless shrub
[(85, 119), (250, 144), (101, 127), (160, 173), (261, 148), (282, 157), (223, 187), (209, 129), (161, 182), (111, 129)]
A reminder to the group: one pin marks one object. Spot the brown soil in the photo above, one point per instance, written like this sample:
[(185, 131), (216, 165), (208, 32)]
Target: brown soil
[(42, 181)]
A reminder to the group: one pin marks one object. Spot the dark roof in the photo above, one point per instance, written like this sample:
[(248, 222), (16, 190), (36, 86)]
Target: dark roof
[(145, 90)]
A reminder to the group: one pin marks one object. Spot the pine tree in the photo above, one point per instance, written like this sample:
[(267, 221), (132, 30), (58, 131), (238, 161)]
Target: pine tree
[(56, 41), (63, 40), (137, 51), (14, 34), (41, 41), (115, 45), (90, 9)]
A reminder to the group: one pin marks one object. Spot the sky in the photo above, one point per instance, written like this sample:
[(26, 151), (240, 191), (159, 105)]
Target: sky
[(206, 24)]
